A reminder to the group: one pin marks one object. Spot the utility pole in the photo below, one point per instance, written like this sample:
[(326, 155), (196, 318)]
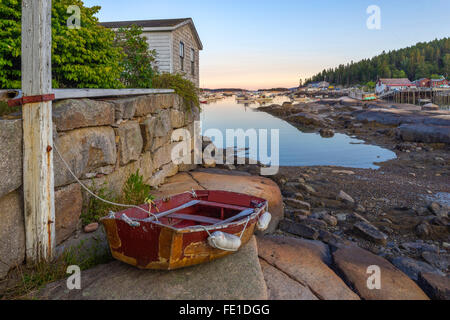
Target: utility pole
[(38, 180)]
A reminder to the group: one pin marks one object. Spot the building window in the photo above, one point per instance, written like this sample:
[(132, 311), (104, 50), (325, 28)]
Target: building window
[(193, 62), (182, 56)]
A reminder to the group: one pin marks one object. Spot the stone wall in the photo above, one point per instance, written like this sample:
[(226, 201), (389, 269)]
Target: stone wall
[(103, 141)]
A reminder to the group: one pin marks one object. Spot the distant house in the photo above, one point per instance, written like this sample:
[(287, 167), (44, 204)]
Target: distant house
[(439, 83), (422, 83), (384, 85), (176, 42)]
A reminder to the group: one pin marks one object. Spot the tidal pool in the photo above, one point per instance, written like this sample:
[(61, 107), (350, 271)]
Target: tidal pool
[(296, 148)]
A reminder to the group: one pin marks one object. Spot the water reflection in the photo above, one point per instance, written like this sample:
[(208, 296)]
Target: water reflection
[(296, 148)]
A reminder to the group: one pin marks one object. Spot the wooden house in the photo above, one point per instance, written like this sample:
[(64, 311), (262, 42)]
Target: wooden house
[(176, 42)]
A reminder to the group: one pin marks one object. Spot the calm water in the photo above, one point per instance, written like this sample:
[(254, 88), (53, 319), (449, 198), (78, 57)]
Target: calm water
[(296, 148)]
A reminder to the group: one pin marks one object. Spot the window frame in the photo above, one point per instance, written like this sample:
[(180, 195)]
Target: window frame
[(182, 53), (193, 61)]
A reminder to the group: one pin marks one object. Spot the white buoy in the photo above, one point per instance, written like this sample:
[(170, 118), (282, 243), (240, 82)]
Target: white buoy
[(264, 221), (224, 241)]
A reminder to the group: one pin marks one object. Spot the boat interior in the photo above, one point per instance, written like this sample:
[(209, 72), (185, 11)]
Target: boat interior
[(205, 209)]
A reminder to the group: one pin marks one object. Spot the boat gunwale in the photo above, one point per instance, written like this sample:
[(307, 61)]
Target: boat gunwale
[(196, 228)]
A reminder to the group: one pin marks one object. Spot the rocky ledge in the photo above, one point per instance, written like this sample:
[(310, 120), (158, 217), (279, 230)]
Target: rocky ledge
[(314, 253)]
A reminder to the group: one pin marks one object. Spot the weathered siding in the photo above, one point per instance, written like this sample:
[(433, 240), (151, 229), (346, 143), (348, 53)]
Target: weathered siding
[(185, 35), (160, 41)]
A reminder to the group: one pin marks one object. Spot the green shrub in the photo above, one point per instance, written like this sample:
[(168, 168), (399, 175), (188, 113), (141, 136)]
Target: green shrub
[(183, 87), (5, 109), (138, 70), (97, 209), (81, 58), (135, 191)]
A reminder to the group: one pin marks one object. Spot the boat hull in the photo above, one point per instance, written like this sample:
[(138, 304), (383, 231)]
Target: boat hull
[(157, 246)]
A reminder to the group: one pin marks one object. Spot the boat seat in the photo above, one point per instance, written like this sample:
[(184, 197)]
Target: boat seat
[(194, 218)]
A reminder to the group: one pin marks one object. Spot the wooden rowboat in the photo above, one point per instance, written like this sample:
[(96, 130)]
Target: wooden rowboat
[(186, 229)]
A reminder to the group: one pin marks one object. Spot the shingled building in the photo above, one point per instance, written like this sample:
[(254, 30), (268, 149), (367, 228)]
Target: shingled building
[(176, 42)]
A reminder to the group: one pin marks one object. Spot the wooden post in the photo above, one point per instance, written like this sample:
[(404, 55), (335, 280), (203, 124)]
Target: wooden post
[(38, 180)]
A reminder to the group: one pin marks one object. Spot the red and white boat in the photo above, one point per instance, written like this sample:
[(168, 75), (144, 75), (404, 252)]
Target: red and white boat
[(186, 229)]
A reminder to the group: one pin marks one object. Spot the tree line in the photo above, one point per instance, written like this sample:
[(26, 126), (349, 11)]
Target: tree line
[(423, 60)]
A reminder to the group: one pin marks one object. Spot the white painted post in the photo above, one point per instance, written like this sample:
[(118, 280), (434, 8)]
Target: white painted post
[(38, 180)]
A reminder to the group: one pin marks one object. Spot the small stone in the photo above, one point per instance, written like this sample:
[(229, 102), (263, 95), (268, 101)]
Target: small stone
[(343, 172), (360, 209), (423, 230), (342, 217), (299, 196), (307, 188), (301, 213), (298, 204), (435, 208), (326, 133), (91, 227), (386, 220), (342, 196), (299, 229), (332, 221), (370, 233), (316, 223), (446, 245)]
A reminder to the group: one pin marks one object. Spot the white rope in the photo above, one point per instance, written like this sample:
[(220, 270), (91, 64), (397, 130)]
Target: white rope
[(245, 228), (94, 195)]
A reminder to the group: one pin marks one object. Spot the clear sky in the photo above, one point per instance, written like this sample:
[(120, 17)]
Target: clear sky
[(262, 44)]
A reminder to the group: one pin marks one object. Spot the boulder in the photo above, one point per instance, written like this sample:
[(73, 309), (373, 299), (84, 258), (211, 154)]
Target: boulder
[(297, 204), (305, 262), (430, 107), (412, 267), (130, 142), (10, 155), (370, 232), (85, 150), (282, 287), (353, 263), (307, 119), (12, 232), (68, 206), (235, 277), (80, 113), (424, 133), (436, 286), (299, 229), (342, 196), (440, 261)]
